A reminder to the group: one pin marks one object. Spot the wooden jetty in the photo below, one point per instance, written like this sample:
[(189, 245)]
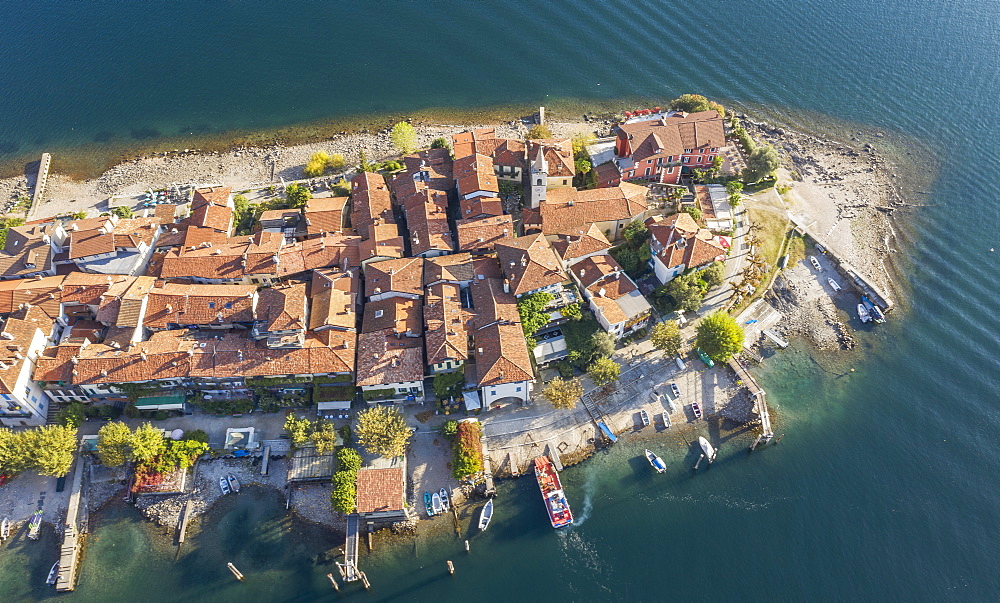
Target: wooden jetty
[(183, 521), (777, 339), (69, 553), (264, 460), (40, 181), (349, 569), (760, 397)]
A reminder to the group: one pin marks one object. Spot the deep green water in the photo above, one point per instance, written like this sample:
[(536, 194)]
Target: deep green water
[(884, 486)]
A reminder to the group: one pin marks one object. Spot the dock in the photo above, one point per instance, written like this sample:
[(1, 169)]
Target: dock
[(349, 569), (69, 553), (264, 460), (40, 181), (777, 339), (183, 522), (760, 397)]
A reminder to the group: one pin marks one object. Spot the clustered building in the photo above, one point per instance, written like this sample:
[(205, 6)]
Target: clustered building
[(412, 276)]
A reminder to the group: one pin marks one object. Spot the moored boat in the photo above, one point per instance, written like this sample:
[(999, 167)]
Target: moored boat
[(833, 284), (708, 449), (874, 311), (35, 525), (655, 461), (5, 529), (486, 515), (666, 420), (863, 313), (445, 500), (644, 416), (233, 483), (436, 504), (815, 263), (53, 574), (556, 504), (428, 504), (696, 409), (224, 485)]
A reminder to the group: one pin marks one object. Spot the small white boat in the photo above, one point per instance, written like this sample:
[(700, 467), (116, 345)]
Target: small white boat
[(666, 420), (234, 483), (645, 417), (436, 504), (53, 574), (224, 484), (5, 529), (679, 362), (655, 461), (35, 525), (486, 515), (445, 500), (863, 313), (815, 263), (707, 448), (833, 284), (696, 409)]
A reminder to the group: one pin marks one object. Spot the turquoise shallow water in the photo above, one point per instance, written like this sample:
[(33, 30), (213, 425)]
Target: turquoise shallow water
[(884, 485)]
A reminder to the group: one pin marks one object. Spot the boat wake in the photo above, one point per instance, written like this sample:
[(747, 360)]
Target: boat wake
[(589, 486)]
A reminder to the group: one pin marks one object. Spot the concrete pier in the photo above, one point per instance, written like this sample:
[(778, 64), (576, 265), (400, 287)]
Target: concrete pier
[(69, 554), (40, 181)]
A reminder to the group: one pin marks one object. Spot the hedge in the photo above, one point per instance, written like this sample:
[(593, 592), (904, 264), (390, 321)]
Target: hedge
[(468, 457)]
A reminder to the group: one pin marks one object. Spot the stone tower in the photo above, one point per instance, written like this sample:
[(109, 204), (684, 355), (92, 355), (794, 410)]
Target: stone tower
[(539, 178)]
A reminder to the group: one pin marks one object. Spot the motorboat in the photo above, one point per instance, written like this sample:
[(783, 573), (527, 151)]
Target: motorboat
[(834, 284), (696, 409), (486, 515), (428, 504), (708, 449), (5, 529), (863, 313), (445, 500), (655, 461), (224, 485), (676, 391), (53, 574), (815, 263), (436, 504), (666, 420), (556, 504), (645, 417)]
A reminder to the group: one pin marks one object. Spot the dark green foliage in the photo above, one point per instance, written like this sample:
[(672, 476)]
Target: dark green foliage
[(218, 406), (468, 458), (565, 369), (345, 434), (636, 233), (345, 491), (714, 274), (531, 309), (686, 292), (694, 103), (694, 211), (122, 212), (198, 435), (449, 429), (348, 459), (579, 339), (440, 143), (761, 162), (71, 415), (297, 195), (628, 259), (449, 384)]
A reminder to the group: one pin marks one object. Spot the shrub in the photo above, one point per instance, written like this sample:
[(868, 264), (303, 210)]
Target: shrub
[(198, 435), (468, 457), (348, 459), (539, 131), (449, 429), (345, 434), (345, 491), (440, 143)]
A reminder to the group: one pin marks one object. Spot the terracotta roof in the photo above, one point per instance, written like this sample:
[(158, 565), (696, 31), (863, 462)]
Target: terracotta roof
[(385, 242), (671, 136), (381, 490), (193, 236), (370, 202), (324, 214), (396, 315), (282, 308), (601, 269), (453, 268), (580, 242), (434, 164), (567, 209), (660, 227), (483, 233), (690, 249), (501, 351), (474, 173), (86, 288), (280, 218), (478, 207), (404, 275), (238, 257), (43, 293), (558, 152), (330, 251), (427, 221), (445, 329), (19, 331), (384, 358), (465, 143), (335, 298), (529, 263), (487, 267), (27, 250), (199, 305), (210, 208), (55, 362)]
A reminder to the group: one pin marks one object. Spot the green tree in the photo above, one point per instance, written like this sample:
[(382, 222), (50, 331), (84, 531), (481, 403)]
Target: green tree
[(719, 336), (345, 491), (449, 429), (686, 293), (714, 275), (323, 436), (636, 233), (297, 195), (298, 430), (601, 344), (735, 190), (404, 137), (114, 444), (122, 212), (694, 211), (694, 103), (539, 132), (317, 164), (563, 394), (572, 311), (582, 166), (198, 435), (348, 459), (52, 448), (15, 455), (147, 443), (604, 370), (80, 215), (580, 143), (72, 414), (627, 257), (440, 143), (448, 384), (383, 431), (363, 164), (183, 453), (666, 336), (467, 459), (531, 308), (761, 163)]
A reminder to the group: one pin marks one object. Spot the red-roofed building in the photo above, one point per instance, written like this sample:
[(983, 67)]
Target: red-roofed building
[(382, 494), (677, 244), (661, 150)]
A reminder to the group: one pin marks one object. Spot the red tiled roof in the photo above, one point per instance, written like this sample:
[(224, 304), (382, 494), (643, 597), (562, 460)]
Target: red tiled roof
[(671, 136), (384, 358), (483, 233), (567, 209), (501, 351), (381, 490), (404, 275), (474, 173), (199, 305), (558, 152), (445, 330), (529, 263), (324, 214), (335, 297), (580, 242), (371, 202), (282, 308), (453, 268)]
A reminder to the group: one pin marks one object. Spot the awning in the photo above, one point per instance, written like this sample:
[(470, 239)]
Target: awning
[(472, 401), (167, 402)]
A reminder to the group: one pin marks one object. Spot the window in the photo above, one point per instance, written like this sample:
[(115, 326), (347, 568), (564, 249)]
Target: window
[(714, 149), (686, 160), (229, 305), (670, 170), (697, 159), (378, 313), (670, 158), (538, 182), (211, 305), (493, 392), (518, 388), (648, 170)]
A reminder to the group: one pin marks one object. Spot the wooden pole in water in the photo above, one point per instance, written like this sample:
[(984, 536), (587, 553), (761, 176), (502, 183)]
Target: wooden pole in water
[(699, 461), (364, 580), (755, 442), (779, 439), (336, 587), (458, 526), (451, 567), (236, 572), (466, 546)]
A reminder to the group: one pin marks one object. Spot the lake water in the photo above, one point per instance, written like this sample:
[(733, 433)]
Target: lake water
[(884, 487)]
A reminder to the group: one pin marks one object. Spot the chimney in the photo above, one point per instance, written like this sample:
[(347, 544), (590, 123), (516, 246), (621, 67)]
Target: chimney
[(143, 356), (600, 292), (524, 261), (506, 286), (74, 360), (347, 345), (480, 350), (103, 373)]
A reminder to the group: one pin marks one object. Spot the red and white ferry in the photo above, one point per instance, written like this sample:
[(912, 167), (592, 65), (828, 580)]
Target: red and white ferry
[(556, 504)]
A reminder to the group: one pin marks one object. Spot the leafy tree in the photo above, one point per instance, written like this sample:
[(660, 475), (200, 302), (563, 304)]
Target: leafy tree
[(80, 215), (323, 436), (363, 164), (448, 384), (539, 132), (604, 370), (298, 430), (345, 491), (582, 166), (52, 448), (342, 188), (72, 414), (531, 308), (563, 394), (601, 344), (122, 212), (440, 143), (644, 254), (580, 143), (336, 162), (114, 444), (15, 455), (404, 137), (714, 275), (348, 459), (183, 453), (686, 292), (628, 258), (666, 336), (297, 195), (635, 233), (719, 336), (735, 190), (694, 211), (468, 450), (383, 431), (693, 103), (449, 429), (572, 311), (761, 163), (147, 443), (317, 164)]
